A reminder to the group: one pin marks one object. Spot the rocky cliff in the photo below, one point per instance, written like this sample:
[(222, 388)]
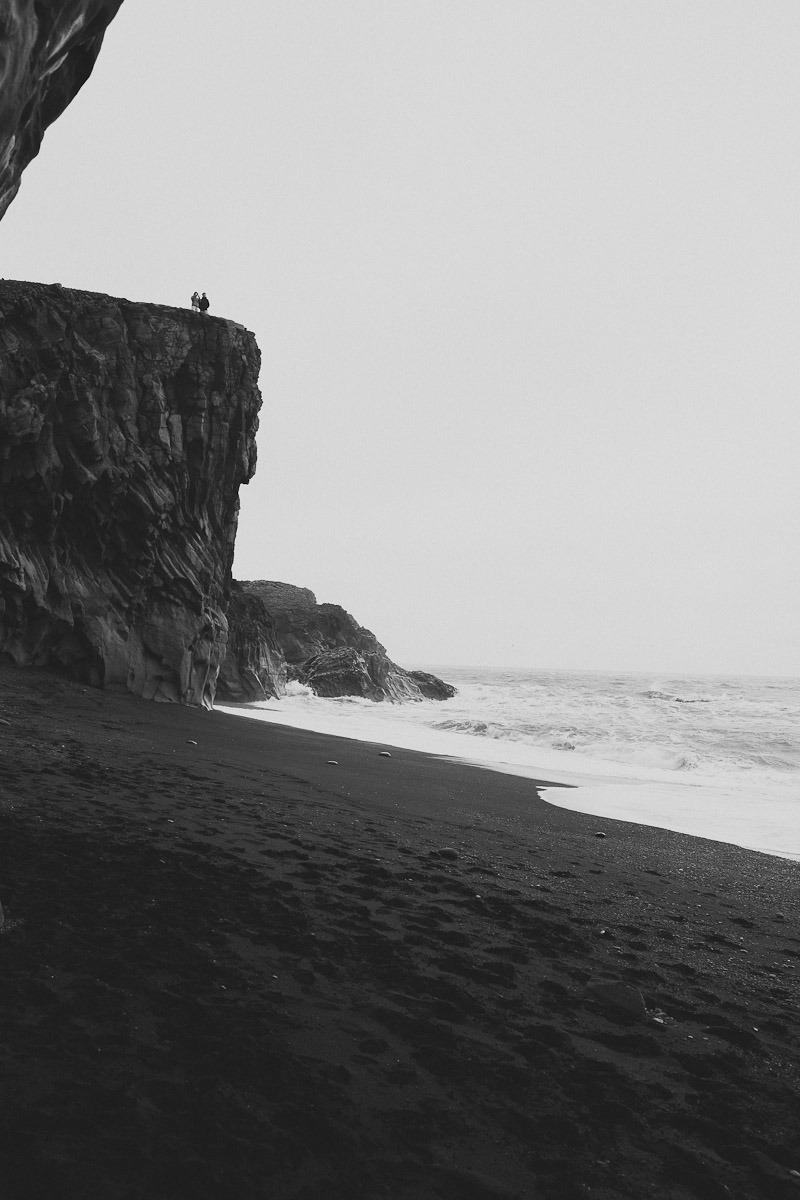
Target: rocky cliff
[(47, 51), (254, 667), (126, 430), (325, 648)]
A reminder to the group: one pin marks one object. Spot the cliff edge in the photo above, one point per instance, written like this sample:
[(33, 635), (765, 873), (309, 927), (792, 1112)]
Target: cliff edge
[(126, 430)]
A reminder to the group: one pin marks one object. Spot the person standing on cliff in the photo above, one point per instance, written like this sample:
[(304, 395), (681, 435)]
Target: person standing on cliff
[(196, 301), (204, 303)]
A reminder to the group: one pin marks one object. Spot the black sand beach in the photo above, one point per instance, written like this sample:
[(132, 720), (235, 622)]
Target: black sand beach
[(231, 969)]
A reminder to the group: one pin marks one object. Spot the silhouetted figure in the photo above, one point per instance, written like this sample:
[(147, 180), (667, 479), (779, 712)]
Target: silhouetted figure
[(196, 301), (204, 303)]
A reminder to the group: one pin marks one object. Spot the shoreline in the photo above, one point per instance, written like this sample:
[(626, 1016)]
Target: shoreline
[(655, 799), (233, 968)]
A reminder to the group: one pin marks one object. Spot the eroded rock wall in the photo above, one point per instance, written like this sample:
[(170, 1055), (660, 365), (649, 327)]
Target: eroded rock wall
[(126, 430), (326, 649), (47, 51)]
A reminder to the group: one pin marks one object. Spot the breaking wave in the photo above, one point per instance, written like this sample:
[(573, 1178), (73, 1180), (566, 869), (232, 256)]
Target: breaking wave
[(716, 757), (655, 694)]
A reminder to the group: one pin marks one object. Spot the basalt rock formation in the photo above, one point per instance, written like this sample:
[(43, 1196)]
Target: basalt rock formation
[(431, 686), (326, 649), (47, 51), (254, 667), (126, 430)]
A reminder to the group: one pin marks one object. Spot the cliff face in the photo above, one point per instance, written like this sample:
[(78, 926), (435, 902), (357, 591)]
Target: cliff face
[(254, 667), (126, 430), (326, 649), (47, 51)]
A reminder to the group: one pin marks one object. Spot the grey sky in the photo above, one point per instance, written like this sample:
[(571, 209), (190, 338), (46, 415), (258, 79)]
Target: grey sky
[(525, 280)]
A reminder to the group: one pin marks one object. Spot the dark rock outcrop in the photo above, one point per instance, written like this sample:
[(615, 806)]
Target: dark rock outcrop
[(431, 686), (254, 667), (326, 649), (126, 430), (341, 672), (47, 51)]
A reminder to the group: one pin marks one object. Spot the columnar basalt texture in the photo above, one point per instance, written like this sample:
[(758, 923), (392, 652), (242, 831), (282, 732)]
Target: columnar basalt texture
[(47, 51), (254, 667), (126, 430)]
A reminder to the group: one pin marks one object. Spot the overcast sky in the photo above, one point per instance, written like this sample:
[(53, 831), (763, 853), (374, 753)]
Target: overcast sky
[(525, 275)]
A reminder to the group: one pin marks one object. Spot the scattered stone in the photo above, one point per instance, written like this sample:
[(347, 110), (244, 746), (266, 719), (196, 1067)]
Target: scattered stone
[(3, 721), (621, 996), (446, 852), (599, 834), (332, 762), (385, 754), (191, 742)]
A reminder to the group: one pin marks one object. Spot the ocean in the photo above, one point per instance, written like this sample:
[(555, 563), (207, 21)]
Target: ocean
[(713, 756)]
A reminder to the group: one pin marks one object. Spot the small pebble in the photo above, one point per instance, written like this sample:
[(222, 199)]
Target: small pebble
[(191, 742), (3, 721), (447, 852), (385, 754), (332, 762), (598, 834)]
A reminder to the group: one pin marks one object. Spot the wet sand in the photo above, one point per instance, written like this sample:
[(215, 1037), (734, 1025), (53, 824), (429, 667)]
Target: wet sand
[(232, 969)]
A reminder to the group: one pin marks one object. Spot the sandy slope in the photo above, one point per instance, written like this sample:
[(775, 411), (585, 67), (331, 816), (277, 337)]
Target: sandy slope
[(232, 969)]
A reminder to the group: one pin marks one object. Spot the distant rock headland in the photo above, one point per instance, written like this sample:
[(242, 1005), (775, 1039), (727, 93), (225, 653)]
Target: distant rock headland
[(47, 51), (324, 647)]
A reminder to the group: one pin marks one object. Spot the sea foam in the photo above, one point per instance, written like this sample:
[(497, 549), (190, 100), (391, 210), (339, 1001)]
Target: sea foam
[(717, 758)]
